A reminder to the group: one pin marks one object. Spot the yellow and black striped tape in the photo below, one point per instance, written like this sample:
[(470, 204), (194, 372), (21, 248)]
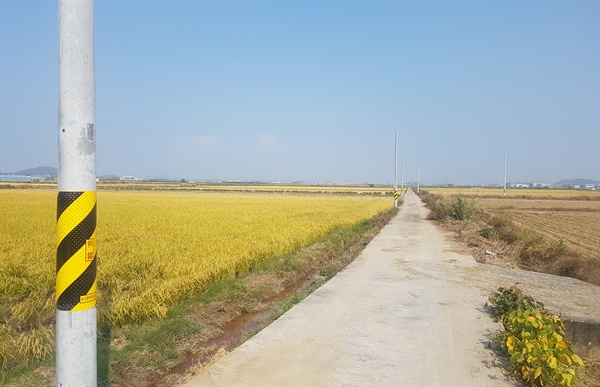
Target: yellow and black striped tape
[(76, 251), (395, 195)]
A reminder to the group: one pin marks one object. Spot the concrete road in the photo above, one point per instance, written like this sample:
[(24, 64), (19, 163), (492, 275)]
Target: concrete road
[(404, 313)]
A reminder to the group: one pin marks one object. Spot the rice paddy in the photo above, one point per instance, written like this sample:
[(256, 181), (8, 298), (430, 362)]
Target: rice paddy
[(154, 250)]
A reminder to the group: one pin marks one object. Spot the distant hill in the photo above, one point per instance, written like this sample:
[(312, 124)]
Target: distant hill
[(579, 182), (39, 171)]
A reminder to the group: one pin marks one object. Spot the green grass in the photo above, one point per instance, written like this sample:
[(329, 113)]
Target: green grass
[(31, 375), (291, 301)]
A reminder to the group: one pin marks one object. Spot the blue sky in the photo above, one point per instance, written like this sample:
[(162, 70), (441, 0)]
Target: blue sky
[(314, 90)]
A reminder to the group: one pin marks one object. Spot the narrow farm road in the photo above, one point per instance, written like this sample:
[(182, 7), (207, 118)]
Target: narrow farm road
[(404, 313)]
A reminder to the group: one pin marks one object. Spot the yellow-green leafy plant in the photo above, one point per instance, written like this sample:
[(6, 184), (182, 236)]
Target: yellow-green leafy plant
[(535, 339)]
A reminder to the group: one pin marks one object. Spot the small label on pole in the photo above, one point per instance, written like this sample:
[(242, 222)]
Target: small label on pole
[(90, 249), (87, 298), (90, 133)]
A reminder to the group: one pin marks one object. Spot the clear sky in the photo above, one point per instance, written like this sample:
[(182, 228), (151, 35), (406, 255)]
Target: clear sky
[(314, 90)]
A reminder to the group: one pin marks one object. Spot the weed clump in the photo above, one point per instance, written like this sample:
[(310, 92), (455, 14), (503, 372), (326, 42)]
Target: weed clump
[(463, 209), (505, 229), (487, 232), (457, 208), (535, 340), (508, 299)]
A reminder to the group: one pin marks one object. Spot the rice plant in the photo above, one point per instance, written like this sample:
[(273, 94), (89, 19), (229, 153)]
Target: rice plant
[(154, 250)]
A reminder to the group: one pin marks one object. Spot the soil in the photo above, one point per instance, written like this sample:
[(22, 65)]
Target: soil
[(574, 222)]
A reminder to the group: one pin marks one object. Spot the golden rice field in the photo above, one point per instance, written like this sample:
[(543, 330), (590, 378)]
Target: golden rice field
[(154, 249), (262, 188), (357, 189)]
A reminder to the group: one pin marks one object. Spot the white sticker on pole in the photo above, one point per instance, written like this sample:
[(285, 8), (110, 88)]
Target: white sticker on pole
[(90, 134)]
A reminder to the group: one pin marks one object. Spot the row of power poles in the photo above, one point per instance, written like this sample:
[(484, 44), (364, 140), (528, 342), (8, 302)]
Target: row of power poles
[(419, 173), (396, 194)]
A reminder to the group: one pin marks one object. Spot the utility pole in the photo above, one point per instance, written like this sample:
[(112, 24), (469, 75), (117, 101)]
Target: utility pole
[(402, 178), (396, 170), (504, 171), (76, 205), (418, 178)]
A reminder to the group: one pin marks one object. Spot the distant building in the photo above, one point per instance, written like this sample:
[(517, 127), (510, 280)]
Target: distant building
[(40, 178), (15, 178)]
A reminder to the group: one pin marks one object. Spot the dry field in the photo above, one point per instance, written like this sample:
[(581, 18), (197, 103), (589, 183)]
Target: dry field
[(575, 222), (478, 192), (571, 216)]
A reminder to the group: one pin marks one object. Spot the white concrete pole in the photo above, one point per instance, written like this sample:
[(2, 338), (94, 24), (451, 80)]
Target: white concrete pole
[(418, 178), (396, 170), (76, 363), (402, 178), (504, 171)]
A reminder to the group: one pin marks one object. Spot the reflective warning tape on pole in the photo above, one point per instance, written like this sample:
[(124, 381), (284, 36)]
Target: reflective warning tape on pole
[(76, 251), (395, 195)]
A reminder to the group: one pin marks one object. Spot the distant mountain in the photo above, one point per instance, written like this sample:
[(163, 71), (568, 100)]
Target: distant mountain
[(580, 182), (39, 171)]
